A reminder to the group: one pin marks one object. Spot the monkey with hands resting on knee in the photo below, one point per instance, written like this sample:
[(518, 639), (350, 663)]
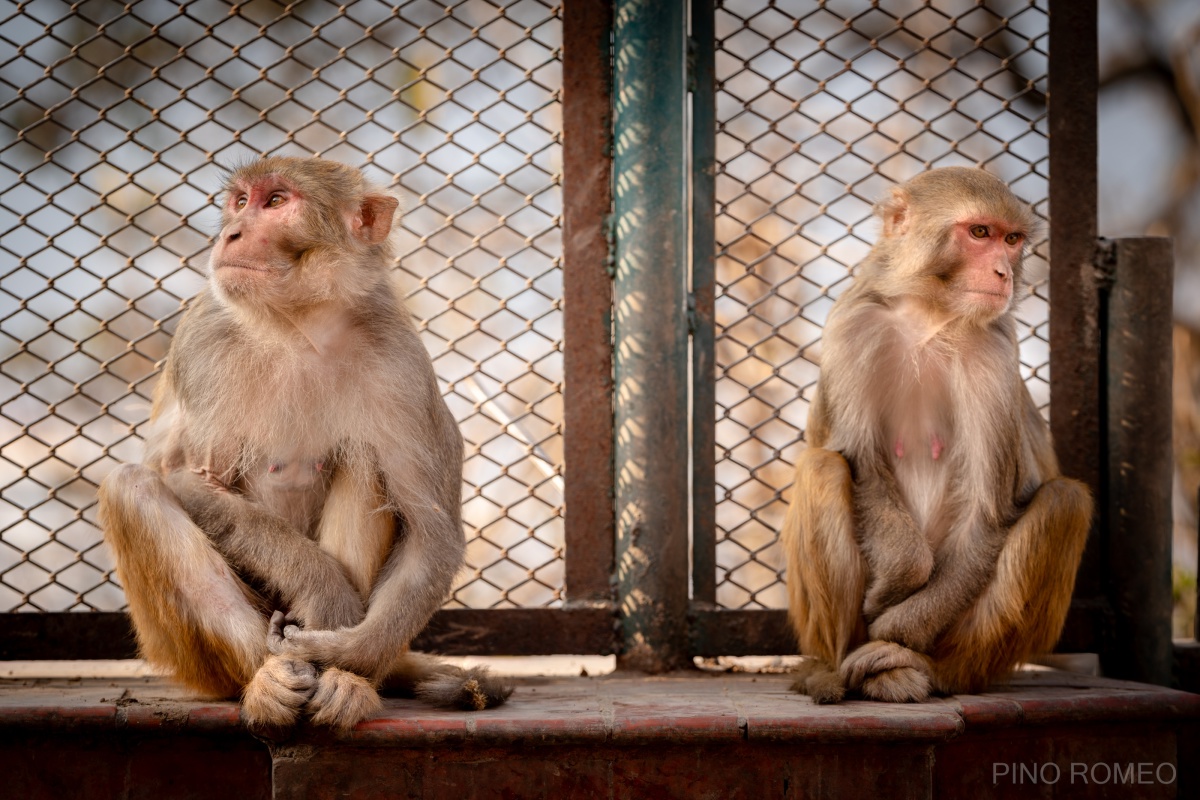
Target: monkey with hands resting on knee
[(932, 543), (300, 459)]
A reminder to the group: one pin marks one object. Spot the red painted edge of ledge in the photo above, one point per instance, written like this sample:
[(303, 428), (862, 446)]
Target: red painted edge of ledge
[(616, 710)]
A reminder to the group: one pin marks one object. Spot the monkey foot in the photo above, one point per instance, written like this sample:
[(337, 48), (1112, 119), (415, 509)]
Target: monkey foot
[(342, 700), (887, 671), (900, 685), (819, 681), (273, 698)]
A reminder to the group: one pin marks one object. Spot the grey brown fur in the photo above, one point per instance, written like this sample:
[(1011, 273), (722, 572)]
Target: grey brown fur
[(300, 459), (931, 541)]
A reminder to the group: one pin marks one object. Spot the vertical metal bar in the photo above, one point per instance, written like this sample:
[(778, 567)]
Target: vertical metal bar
[(587, 300), (1075, 364), (702, 59), (651, 333), (1074, 328), (1139, 362)]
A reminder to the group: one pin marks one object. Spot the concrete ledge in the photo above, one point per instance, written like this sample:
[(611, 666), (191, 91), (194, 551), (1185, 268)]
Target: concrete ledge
[(685, 735)]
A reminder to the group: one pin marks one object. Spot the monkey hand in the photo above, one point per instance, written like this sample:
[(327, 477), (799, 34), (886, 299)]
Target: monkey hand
[(355, 649), (338, 648), (286, 637)]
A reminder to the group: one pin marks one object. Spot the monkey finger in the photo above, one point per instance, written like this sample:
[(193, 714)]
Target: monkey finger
[(275, 634), (316, 646)]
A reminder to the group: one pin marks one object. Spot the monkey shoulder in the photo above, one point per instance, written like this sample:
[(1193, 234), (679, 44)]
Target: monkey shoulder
[(206, 338)]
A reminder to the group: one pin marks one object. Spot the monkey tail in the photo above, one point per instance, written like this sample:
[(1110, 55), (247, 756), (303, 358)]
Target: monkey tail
[(445, 685)]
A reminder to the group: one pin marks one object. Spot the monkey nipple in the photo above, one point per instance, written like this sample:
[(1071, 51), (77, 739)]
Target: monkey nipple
[(900, 448), (936, 445)]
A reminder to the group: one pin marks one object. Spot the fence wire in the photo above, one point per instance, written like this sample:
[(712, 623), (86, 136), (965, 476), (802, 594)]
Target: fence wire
[(821, 106), (115, 123), (116, 120)]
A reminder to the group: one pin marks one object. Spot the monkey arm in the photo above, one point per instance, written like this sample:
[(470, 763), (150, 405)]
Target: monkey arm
[(962, 567), (271, 552), (898, 554), (423, 480)]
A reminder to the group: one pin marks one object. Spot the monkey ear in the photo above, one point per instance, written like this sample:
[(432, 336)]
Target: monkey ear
[(373, 222), (894, 212)]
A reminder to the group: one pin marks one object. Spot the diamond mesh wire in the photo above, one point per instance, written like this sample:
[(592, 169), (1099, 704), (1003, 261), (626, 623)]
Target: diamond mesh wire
[(820, 108), (115, 123)]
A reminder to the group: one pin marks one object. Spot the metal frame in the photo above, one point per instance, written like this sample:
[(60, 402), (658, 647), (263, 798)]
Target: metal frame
[(585, 623), (639, 350)]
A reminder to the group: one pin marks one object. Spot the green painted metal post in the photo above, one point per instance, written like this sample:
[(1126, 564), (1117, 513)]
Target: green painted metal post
[(651, 332)]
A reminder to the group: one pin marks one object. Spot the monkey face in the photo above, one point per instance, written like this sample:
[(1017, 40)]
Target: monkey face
[(954, 239), (256, 246), (988, 252), (297, 232)]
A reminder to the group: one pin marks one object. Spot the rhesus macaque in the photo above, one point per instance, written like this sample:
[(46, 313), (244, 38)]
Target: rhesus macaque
[(932, 544), (297, 519)]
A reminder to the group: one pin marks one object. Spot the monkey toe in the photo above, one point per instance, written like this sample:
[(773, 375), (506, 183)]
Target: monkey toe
[(900, 685), (273, 698), (471, 689), (342, 700)]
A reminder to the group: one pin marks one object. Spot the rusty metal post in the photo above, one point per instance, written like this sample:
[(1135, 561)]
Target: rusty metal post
[(651, 332), (587, 301), (1139, 364), (1076, 368)]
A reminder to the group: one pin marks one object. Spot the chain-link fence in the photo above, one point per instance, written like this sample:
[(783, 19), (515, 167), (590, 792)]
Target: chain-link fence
[(820, 108), (116, 120), (115, 123)]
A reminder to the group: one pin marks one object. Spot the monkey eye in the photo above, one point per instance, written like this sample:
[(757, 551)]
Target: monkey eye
[(275, 201), (980, 231), (1014, 238), (240, 202)]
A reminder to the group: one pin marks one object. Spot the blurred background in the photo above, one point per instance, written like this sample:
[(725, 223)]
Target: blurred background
[(116, 121), (1150, 184)]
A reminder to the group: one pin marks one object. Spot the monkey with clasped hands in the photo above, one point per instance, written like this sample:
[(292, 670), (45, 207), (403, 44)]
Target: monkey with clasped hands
[(932, 544)]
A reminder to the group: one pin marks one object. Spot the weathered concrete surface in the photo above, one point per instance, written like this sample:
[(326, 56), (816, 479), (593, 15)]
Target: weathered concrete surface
[(695, 735)]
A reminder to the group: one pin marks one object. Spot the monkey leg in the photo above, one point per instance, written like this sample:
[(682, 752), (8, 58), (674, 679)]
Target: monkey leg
[(826, 570), (898, 555), (192, 614), (1022, 610), (440, 684)]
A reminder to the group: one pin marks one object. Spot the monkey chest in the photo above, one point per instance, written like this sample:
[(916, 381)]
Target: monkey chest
[(293, 484), (921, 431)]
